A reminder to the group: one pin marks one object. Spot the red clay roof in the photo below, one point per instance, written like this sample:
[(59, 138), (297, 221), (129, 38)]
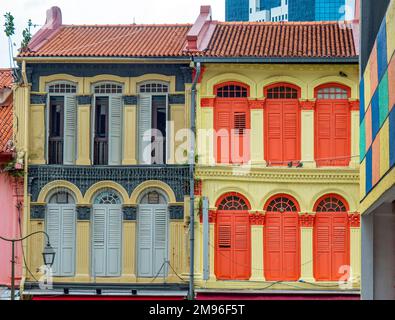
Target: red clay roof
[(230, 39), (282, 40), (6, 113), (5, 78), (115, 41)]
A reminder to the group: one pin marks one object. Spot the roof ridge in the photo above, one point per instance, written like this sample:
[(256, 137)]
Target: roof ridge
[(127, 25)]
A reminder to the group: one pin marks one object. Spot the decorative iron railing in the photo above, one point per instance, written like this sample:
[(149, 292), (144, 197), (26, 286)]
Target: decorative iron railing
[(176, 176), (55, 150)]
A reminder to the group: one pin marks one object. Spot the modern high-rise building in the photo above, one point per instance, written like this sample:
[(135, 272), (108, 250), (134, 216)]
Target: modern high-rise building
[(287, 10), (236, 10)]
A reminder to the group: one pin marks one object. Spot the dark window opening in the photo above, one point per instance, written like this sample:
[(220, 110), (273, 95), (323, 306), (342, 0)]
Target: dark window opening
[(159, 119), (101, 131), (282, 92), (232, 91), (56, 123)]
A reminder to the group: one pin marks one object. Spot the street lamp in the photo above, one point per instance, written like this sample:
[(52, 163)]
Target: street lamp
[(48, 256)]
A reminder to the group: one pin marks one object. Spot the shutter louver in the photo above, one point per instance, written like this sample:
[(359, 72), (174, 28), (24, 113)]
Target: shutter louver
[(115, 131), (70, 129), (160, 240), (99, 241), (225, 236), (144, 125), (53, 230), (68, 241), (145, 237), (114, 239)]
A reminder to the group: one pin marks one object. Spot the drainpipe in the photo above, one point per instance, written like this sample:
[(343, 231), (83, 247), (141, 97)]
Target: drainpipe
[(192, 183)]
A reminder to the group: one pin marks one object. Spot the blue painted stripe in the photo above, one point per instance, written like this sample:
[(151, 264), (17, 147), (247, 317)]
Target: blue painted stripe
[(369, 171)]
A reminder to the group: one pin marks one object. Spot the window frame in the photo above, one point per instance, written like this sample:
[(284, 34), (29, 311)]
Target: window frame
[(332, 85), (47, 113), (93, 116), (231, 83), (282, 84)]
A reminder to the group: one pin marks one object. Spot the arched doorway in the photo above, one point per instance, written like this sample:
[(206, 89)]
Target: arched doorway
[(282, 124), (331, 238), (107, 234), (233, 238), (152, 234), (332, 125), (282, 239), (232, 123), (60, 226)]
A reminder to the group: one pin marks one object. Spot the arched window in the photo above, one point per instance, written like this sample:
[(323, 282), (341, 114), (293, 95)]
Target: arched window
[(154, 87), (108, 88), (331, 203), (233, 202), (108, 197), (62, 87), (332, 92), (231, 90), (283, 91), (61, 196), (282, 204)]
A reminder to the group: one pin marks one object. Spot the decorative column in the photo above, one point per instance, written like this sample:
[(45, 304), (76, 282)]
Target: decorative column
[(35, 243), (307, 133), (84, 130), (37, 128), (212, 219), (129, 242), (257, 222), (83, 252), (176, 248), (257, 140), (205, 139), (354, 110), (129, 130), (355, 246), (306, 222)]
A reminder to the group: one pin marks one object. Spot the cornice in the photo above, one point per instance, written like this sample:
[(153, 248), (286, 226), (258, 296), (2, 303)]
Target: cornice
[(346, 176)]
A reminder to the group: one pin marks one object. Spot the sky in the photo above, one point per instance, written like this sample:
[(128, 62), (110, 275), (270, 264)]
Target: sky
[(100, 12)]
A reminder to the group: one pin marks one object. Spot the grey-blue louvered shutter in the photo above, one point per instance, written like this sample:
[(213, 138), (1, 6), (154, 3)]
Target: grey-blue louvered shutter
[(114, 241), (115, 131), (144, 125), (99, 241), (145, 237), (160, 240), (70, 130), (52, 226), (67, 245)]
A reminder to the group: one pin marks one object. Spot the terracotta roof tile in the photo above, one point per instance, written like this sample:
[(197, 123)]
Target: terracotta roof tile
[(6, 112), (115, 41), (5, 78), (282, 40)]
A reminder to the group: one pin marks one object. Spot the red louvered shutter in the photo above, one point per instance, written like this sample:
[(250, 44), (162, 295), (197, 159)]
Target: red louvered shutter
[(322, 247), (290, 131), (273, 246), (340, 244), (241, 254), (323, 133), (223, 125), (223, 263), (290, 246), (341, 134), (274, 130)]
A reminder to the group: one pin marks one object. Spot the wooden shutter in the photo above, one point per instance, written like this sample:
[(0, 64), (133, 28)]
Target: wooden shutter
[(290, 247), (52, 226), (322, 246), (99, 240), (114, 241), (70, 130), (340, 244), (223, 128), (240, 150), (324, 133), (224, 245), (273, 246), (67, 253), (341, 134), (145, 239), (115, 131), (290, 131), (274, 132), (144, 125), (160, 240), (242, 246)]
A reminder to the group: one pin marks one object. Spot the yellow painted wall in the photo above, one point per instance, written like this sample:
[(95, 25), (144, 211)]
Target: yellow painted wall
[(83, 252), (37, 134), (83, 135), (129, 135)]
